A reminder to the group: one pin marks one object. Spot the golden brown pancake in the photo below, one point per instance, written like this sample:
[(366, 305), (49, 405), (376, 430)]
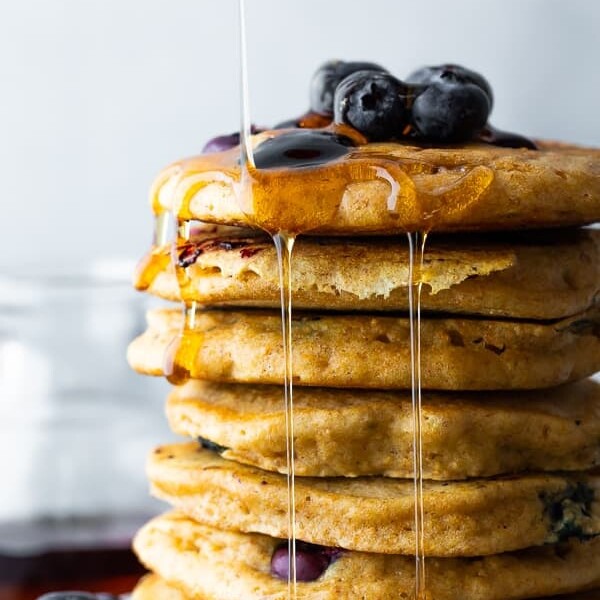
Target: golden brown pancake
[(209, 563), (367, 351), (465, 518), (368, 432), (152, 587), (546, 275), (467, 188)]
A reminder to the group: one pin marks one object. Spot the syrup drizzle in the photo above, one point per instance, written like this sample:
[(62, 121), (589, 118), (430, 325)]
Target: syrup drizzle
[(416, 254), (284, 244)]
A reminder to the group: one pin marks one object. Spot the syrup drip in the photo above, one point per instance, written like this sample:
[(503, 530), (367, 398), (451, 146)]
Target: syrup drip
[(182, 352), (284, 244), (157, 259), (416, 250)]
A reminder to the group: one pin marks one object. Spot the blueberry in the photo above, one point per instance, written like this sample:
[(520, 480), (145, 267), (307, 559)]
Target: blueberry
[(311, 561), (326, 79), (226, 142), (451, 74), (374, 103), (209, 445), (505, 139), (450, 112)]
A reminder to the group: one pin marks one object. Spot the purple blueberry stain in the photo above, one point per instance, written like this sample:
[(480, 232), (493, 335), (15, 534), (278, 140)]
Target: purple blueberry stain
[(311, 561), (226, 142)]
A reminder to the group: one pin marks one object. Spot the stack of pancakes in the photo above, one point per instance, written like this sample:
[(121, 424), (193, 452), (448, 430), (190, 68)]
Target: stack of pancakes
[(510, 337)]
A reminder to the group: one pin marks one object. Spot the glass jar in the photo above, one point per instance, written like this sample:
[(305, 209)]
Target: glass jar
[(75, 426)]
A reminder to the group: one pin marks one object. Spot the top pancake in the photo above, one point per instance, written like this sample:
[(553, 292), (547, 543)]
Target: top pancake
[(474, 187)]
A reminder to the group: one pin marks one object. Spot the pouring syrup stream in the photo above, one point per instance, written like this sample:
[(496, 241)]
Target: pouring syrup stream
[(284, 244), (416, 251)]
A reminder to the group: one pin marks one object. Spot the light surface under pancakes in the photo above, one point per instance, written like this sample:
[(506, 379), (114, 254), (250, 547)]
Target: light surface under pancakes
[(220, 565), (469, 518), (358, 432), (338, 350), (476, 187), (152, 587), (535, 275)]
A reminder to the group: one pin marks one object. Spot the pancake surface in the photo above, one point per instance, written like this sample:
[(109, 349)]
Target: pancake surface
[(337, 350), (482, 188), (152, 587), (228, 566), (471, 518), (533, 275), (358, 432)]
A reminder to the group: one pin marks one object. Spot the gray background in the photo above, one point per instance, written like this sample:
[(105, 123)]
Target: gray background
[(98, 95)]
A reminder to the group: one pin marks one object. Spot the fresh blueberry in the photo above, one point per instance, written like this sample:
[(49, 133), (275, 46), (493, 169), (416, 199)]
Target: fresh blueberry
[(450, 112), (374, 103), (311, 561), (505, 139), (451, 74), (301, 148), (209, 445), (326, 79), (226, 142)]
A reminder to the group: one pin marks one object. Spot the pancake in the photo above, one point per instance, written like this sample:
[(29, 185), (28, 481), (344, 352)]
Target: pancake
[(339, 350), (532, 276), (468, 518), (466, 188), (211, 563), (351, 433), (152, 587)]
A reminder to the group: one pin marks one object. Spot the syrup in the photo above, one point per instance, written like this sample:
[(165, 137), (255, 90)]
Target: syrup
[(416, 249)]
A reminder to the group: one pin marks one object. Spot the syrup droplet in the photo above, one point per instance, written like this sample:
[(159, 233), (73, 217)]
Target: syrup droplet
[(182, 352)]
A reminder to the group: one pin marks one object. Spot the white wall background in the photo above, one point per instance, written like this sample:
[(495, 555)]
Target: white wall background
[(97, 95)]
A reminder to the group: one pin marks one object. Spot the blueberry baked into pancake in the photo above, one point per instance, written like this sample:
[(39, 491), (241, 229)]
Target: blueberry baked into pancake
[(504, 272)]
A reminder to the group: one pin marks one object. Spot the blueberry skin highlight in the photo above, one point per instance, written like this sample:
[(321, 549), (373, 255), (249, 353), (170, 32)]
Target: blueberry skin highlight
[(311, 562), (450, 73), (326, 79), (374, 103), (450, 112)]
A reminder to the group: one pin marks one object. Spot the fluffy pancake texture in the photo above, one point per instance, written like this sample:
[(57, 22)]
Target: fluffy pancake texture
[(152, 587), (222, 565), (470, 188), (471, 518), (338, 350), (534, 275), (359, 432)]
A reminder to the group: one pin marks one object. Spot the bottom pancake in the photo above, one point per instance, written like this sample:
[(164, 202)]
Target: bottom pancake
[(153, 587), (210, 564)]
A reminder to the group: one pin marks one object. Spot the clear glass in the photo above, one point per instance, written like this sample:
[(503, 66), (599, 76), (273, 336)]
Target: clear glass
[(75, 422)]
